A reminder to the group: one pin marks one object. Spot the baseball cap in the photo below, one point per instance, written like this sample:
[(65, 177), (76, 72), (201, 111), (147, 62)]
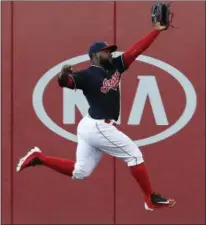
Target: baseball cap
[(99, 46)]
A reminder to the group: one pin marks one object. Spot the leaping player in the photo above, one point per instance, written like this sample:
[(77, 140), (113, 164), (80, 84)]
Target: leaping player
[(98, 132)]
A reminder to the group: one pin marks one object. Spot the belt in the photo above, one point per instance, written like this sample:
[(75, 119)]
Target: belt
[(112, 122)]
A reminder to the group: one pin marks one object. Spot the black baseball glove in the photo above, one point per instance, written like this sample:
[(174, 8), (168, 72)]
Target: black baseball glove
[(161, 13)]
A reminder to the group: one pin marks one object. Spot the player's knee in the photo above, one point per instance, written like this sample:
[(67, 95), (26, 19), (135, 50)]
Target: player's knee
[(135, 160), (135, 157), (80, 174)]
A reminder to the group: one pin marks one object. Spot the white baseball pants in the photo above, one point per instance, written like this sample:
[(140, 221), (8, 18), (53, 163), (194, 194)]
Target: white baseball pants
[(96, 137)]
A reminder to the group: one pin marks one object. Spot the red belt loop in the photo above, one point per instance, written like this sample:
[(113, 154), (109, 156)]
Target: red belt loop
[(109, 121)]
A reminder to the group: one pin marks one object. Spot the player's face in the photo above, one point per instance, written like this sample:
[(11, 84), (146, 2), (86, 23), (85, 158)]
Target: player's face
[(105, 58), (106, 55)]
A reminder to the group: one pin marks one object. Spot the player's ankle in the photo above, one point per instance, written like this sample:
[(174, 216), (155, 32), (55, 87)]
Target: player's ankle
[(42, 158)]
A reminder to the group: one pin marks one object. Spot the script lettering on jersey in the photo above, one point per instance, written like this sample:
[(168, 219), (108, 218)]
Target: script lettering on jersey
[(111, 83)]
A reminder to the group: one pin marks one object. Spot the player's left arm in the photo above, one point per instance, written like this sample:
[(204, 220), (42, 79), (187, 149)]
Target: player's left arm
[(129, 56)]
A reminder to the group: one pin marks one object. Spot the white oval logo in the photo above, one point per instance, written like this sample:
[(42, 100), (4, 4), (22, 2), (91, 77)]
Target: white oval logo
[(190, 107)]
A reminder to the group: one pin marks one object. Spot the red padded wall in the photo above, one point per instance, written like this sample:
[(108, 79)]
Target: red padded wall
[(36, 36)]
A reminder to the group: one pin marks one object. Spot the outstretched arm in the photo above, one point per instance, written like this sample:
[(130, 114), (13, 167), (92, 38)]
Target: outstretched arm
[(131, 54)]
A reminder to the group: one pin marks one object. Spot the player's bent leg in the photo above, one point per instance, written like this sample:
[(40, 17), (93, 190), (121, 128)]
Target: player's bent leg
[(87, 159), (35, 158)]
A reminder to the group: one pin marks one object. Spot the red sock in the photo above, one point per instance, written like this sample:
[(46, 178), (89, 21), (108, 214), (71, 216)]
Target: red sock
[(64, 166), (140, 173)]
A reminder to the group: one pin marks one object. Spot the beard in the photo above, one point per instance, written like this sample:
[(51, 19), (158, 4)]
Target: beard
[(106, 63)]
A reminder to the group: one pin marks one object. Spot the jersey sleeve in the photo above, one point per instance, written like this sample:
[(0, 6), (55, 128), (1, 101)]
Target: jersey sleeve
[(79, 78), (119, 64)]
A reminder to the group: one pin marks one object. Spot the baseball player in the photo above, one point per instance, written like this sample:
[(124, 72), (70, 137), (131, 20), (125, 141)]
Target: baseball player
[(98, 132)]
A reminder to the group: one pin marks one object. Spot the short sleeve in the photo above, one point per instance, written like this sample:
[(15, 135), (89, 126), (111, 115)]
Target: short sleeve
[(119, 64), (78, 78)]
